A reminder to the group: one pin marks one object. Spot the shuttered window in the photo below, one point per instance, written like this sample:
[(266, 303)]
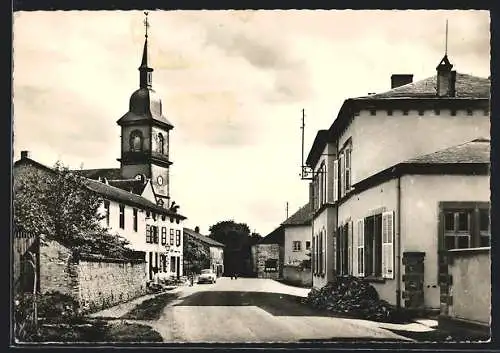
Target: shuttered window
[(149, 238), (361, 247), (388, 244), (323, 256), (347, 173), (313, 262), (349, 249), (335, 180), (163, 235), (342, 172)]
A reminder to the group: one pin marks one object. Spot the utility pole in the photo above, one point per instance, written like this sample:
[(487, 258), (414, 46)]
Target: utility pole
[(286, 210)]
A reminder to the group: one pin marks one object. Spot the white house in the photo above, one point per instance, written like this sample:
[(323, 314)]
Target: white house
[(401, 177)]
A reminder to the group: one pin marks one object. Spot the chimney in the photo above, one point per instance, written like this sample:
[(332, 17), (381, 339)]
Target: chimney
[(398, 80), (446, 78), (25, 154), (197, 229)]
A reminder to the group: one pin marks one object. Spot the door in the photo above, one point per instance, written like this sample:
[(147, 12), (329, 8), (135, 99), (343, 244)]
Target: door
[(178, 266)]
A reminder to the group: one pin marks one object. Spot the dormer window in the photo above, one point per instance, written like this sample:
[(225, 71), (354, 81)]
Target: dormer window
[(136, 141)]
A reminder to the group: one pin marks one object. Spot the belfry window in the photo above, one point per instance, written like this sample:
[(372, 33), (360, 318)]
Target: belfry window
[(136, 141), (161, 143)]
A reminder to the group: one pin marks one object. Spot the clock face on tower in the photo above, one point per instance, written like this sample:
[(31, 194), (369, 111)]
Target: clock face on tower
[(159, 180)]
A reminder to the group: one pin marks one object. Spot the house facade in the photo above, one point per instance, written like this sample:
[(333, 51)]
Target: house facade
[(297, 243), (400, 177), (268, 255), (146, 226), (211, 247)]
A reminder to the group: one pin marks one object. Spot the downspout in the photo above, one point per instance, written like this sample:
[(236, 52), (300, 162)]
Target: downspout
[(398, 249)]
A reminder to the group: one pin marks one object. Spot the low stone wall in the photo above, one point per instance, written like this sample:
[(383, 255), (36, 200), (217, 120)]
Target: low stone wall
[(297, 275), (263, 253), (96, 283)]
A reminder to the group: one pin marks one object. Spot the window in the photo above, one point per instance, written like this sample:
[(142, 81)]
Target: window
[(343, 249), (163, 236), (314, 256), (122, 216), (465, 225), (177, 237), (161, 143), (271, 265), (106, 209), (171, 237), (149, 238), (154, 216), (308, 245), (135, 142), (484, 228), (335, 180), (373, 245), (154, 234), (164, 263), (347, 170), (135, 219), (296, 245)]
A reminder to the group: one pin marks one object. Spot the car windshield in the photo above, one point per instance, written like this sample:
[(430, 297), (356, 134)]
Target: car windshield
[(206, 272)]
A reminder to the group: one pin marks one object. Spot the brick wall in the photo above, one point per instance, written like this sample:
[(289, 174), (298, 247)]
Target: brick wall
[(96, 284), (264, 252)]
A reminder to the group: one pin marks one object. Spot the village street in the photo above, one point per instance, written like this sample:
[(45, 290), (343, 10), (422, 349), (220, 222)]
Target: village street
[(255, 310)]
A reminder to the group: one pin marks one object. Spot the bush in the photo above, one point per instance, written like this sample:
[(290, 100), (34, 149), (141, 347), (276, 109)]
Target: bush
[(58, 307)]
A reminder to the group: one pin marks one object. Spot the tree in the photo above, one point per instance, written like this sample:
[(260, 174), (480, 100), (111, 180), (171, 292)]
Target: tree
[(195, 254), (57, 205)]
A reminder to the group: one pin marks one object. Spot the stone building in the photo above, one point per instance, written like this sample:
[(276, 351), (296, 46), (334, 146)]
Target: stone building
[(401, 177)]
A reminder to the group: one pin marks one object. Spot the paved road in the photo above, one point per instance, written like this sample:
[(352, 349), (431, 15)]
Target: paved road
[(254, 310)]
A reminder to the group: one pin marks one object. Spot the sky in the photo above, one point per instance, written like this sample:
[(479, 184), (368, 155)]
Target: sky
[(233, 83)]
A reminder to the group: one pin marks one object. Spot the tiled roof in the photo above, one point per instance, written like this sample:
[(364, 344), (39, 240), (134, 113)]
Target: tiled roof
[(317, 147), (475, 151), (114, 193), (108, 173), (111, 192), (466, 86), (202, 238), (277, 236), (131, 185), (302, 217)]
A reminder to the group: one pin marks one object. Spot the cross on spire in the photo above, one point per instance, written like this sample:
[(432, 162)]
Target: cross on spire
[(146, 22)]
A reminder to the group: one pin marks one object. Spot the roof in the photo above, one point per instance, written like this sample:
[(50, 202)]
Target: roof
[(302, 217), (117, 194), (475, 151), (111, 192), (466, 86), (470, 158), (202, 238), (277, 236), (131, 185), (317, 147), (108, 173)]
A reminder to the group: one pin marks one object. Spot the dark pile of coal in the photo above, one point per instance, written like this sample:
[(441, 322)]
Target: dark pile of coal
[(353, 297)]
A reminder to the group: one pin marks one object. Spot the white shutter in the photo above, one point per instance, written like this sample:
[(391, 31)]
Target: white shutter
[(335, 180), (361, 247), (355, 251), (342, 168), (388, 244), (324, 252), (349, 249)]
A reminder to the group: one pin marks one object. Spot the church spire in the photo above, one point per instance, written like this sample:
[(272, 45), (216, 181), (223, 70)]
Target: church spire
[(145, 72)]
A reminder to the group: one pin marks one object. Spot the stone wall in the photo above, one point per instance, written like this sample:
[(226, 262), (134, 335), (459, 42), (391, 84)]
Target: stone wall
[(265, 252), (96, 283), (105, 283), (297, 275)]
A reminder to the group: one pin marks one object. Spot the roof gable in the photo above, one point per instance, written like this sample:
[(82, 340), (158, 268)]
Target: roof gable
[(207, 240), (302, 217)]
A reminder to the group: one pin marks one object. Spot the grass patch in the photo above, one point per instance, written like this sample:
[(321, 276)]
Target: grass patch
[(150, 309), (97, 331)]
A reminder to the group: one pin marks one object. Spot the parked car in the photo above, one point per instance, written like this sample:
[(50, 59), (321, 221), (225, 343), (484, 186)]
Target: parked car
[(207, 276)]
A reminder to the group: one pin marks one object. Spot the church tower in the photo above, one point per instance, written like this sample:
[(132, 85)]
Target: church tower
[(145, 133)]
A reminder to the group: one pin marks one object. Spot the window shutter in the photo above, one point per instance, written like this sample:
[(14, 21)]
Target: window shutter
[(342, 166), (324, 252), (388, 244), (313, 257), (349, 249), (361, 247), (335, 180)]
